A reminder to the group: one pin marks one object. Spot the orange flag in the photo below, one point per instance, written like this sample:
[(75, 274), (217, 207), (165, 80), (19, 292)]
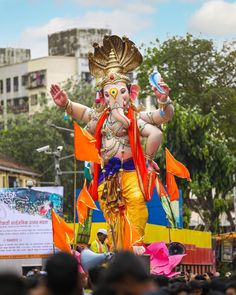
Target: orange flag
[(131, 234), (175, 167), (61, 231), (84, 202), (84, 145), (172, 187)]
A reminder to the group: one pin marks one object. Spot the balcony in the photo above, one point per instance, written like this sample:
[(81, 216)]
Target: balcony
[(35, 79), (18, 105)]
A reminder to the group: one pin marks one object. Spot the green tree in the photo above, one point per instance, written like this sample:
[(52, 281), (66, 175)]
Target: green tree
[(25, 135), (201, 135), (199, 74)]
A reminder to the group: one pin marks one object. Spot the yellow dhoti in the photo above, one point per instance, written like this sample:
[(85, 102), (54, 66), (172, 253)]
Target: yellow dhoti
[(134, 208)]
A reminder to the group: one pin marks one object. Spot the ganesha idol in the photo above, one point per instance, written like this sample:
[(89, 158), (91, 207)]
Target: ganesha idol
[(127, 179)]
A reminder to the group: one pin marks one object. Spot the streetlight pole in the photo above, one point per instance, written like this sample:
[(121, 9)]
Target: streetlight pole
[(57, 155)]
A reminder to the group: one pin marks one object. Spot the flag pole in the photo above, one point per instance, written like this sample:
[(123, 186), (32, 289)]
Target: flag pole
[(74, 242)]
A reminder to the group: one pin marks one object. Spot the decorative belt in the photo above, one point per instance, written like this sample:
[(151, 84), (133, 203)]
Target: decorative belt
[(113, 165)]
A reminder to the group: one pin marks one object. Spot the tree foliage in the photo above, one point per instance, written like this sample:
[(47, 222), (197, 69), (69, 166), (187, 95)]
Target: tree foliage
[(25, 135)]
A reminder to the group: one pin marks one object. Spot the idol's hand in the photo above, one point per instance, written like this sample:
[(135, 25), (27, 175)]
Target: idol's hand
[(59, 96), (152, 166), (139, 250), (162, 97)]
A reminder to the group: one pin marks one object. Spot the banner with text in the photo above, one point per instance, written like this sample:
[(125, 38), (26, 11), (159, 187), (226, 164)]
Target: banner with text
[(25, 221)]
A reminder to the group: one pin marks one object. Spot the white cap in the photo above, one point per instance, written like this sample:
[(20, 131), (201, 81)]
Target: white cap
[(102, 231)]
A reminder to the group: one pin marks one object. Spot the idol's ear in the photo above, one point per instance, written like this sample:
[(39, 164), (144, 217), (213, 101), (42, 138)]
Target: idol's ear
[(134, 91), (101, 97)]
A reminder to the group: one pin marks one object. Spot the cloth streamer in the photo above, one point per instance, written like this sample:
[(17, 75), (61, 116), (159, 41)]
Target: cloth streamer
[(161, 262)]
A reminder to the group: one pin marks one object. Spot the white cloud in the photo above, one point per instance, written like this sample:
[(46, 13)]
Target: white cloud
[(119, 3), (215, 17), (104, 3), (139, 8), (120, 21)]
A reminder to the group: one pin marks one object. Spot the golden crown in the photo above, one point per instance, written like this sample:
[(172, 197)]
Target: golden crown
[(112, 61)]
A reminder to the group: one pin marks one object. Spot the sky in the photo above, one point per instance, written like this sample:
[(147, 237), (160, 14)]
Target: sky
[(26, 23)]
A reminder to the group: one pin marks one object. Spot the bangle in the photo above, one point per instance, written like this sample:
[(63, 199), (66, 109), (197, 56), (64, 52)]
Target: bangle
[(168, 101), (65, 106), (68, 107), (148, 157)]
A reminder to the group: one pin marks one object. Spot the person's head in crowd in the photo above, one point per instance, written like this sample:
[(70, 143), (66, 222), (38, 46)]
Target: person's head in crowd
[(160, 281), (210, 274), (205, 287), (213, 292), (104, 290), (179, 288), (11, 284), (36, 285), (102, 235), (162, 291), (151, 287), (95, 275), (216, 274), (218, 284), (126, 274), (63, 275), (200, 277), (176, 280), (231, 288), (195, 287)]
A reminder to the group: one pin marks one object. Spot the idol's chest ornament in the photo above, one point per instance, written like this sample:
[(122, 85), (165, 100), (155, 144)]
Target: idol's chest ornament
[(114, 138)]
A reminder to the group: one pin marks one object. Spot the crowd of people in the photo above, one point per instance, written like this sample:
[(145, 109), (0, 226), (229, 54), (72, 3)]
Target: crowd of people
[(125, 274)]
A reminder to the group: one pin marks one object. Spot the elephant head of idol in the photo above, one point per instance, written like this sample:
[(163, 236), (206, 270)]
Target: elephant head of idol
[(110, 64)]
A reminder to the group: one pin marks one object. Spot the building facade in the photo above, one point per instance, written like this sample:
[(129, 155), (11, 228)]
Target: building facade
[(25, 83), (42, 72), (75, 42), (78, 43), (24, 87), (14, 174), (9, 56)]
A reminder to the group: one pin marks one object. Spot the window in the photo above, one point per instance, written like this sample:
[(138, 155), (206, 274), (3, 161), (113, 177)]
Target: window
[(24, 80), (12, 181), (16, 84), (16, 102), (86, 76), (34, 99), (8, 82), (4, 181), (1, 86), (37, 79)]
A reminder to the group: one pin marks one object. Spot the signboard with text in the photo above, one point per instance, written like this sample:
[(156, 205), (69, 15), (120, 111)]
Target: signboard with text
[(25, 221)]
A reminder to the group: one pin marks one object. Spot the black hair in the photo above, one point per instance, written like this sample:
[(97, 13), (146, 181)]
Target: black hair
[(11, 284), (159, 280), (200, 278), (179, 287), (96, 274), (194, 285), (218, 284), (62, 274), (125, 264), (104, 290)]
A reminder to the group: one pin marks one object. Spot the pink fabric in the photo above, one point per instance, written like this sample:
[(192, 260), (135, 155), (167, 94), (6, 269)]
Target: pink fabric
[(77, 256), (161, 262)]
